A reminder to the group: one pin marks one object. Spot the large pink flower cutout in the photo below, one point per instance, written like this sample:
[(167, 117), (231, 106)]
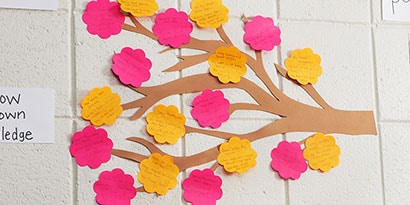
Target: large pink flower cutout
[(91, 147), (202, 187), (172, 28), (210, 108), (131, 66), (262, 34), (288, 160), (115, 187), (103, 18)]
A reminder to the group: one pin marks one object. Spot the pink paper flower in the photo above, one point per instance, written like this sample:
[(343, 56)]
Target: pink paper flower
[(103, 18), (91, 147), (172, 28), (210, 108), (115, 187), (131, 66), (202, 187), (261, 34), (288, 160)]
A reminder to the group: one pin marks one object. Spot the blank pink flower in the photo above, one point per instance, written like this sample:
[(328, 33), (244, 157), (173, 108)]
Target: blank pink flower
[(103, 18), (172, 28), (288, 160), (262, 34), (210, 108), (202, 187), (115, 187), (91, 147)]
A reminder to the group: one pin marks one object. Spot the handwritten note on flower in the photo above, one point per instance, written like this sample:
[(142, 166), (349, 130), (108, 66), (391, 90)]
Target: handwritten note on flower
[(322, 152), (202, 187), (228, 64), (115, 187), (139, 8), (237, 155), (304, 66), (262, 34), (210, 108), (210, 13), (288, 161)]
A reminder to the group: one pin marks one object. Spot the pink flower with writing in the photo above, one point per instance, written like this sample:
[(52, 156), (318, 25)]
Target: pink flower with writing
[(288, 160), (262, 34), (115, 187), (172, 28), (202, 187), (210, 108), (131, 66), (91, 147), (103, 18)]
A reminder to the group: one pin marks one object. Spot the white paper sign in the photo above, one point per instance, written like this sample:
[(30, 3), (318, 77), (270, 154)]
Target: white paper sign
[(396, 10), (30, 4), (26, 115)]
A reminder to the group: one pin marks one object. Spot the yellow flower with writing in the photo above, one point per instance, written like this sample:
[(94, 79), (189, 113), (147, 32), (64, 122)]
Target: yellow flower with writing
[(228, 64), (237, 155), (139, 8), (304, 66), (158, 173), (209, 13), (321, 152), (166, 124)]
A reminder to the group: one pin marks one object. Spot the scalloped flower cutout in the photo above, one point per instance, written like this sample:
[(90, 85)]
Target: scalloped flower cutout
[(202, 187), (210, 108), (91, 147), (321, 152), (172, 28), (139, 8), (103, 18), (228, 64), (101, 106), (304, 66), (210, 13), (158, 173), (237, 155), (166, 124), (261, 34), (288, 161), (131, 66), (115, 187)]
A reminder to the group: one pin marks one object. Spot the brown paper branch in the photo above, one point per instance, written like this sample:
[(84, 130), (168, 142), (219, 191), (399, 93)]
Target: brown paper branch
[(188, 61), (223, 36)]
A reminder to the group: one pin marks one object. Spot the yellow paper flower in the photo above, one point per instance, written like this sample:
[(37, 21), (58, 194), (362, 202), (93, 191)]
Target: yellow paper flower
[(321, 152), (166, 124), (304, 66), (228, 64), (237, 155), (209, 13), (139, 8), (158, 173), (101, 106)]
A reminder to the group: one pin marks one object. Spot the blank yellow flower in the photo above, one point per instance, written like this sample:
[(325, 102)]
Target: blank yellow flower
[(321, 152), (304, 66)]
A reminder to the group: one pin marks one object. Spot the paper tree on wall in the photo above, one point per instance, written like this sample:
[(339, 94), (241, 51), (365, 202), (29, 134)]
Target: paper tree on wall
[(227, 67)]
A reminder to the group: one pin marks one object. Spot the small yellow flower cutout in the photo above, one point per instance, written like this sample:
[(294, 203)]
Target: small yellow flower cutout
[(139, 8), (210, 13), (158, 173), (237, 155), (321, 152), (304, 66), (228, 64), (166, 124), (101, 106)]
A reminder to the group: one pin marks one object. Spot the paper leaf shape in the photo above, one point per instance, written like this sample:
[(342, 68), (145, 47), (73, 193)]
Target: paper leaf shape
[(237, 155), (262, 34), (228, 64), (91, 147), (158, 173), (210, 108), (288, 161), (103, 18), (101, 106), (304, 66), (321, 152), (172, 28), (210, 13), (202, 187), (166, 124), (131, 66), (115, 187), (139, 8)]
